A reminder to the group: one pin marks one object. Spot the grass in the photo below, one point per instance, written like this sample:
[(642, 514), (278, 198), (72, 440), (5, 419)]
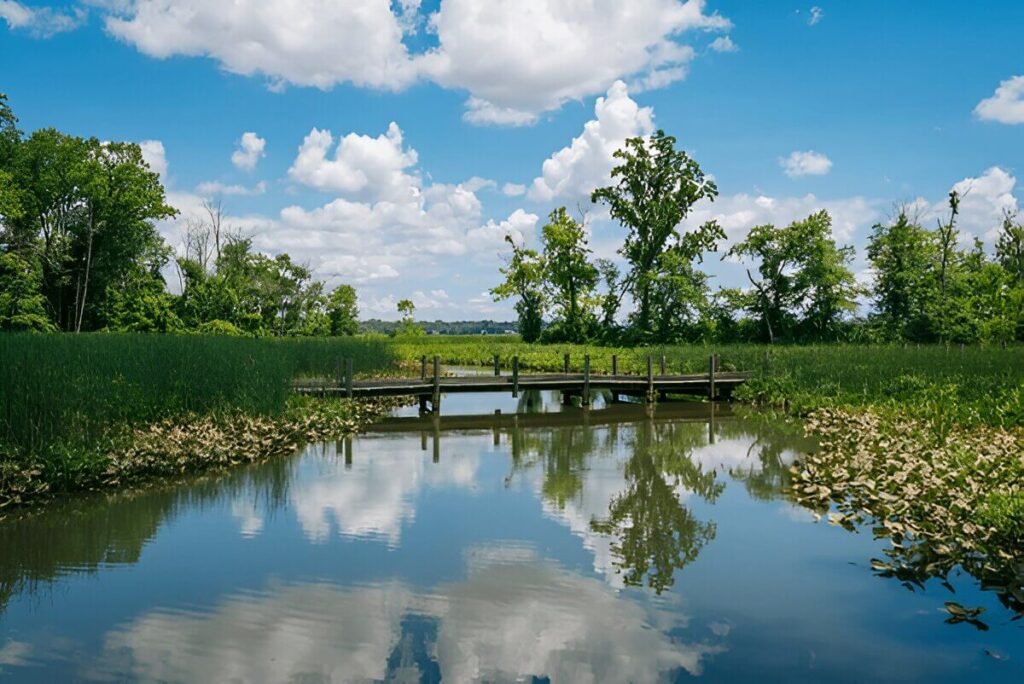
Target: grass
[(970, 386)]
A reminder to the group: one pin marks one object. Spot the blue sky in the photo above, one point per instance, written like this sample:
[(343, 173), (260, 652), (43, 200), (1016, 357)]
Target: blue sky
[(791, 106)]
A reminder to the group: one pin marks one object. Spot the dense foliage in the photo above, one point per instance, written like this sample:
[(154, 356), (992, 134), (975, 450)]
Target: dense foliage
[(80, 251)]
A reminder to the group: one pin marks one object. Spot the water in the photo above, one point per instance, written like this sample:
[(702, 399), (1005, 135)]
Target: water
[(604, 547)]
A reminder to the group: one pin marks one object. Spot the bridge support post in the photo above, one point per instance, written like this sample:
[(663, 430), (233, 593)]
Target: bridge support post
[(423, 367), (497, 366), (348, 451), (663, 365), (565, 364), (650, 380), (423, 404), (348, 377), (515, 377), (615, 364), (436, 398), (712, 368), (586, 381)]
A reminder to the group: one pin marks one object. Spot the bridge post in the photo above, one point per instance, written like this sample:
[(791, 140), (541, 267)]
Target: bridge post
[(615, 364), (348, 378), (650, 379), (712, 367), (565, 363), (423, 367), (586, 380), (515, 377), (348, 451), (436, 399), (497, 366), (663, 365)]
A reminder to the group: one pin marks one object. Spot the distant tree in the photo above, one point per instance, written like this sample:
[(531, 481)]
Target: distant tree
[(342, 310), (1010, 247), (805, 286), (524, 279), (408, 323), (139, 302), (569, 277), (657, 186)]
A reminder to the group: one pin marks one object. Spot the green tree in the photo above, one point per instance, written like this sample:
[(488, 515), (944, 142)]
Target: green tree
[(569, 277), (343, 311), (805, 287), (657, 188), (22, 306), (524, 279), (408, 323), (902, 256)]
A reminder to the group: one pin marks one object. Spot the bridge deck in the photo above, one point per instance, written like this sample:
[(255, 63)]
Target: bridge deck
[(697, 384)]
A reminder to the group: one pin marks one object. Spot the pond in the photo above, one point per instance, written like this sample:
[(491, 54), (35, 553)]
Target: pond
[(544, 544)]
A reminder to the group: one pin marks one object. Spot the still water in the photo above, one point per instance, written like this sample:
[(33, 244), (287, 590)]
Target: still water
[(555, 545)]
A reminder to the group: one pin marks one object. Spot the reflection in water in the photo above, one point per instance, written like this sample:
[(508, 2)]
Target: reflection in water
[(514, 617), (611, 545)]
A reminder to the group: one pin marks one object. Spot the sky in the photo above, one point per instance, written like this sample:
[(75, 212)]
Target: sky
[(393, 145)]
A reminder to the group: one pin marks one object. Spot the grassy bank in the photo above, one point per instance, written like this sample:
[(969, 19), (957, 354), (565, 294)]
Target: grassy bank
[(972, 386), (79, 411)]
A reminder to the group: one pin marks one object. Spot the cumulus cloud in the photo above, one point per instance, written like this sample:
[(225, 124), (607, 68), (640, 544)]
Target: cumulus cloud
[(575, 171), (155, 156), (724, 44), (250, 150), (374, 167), (809, 163), (317, 43), (515, 58), (983, 201), (41, 22), (1006, 105)]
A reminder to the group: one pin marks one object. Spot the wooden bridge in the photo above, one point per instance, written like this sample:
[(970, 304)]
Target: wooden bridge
[(430, 387)]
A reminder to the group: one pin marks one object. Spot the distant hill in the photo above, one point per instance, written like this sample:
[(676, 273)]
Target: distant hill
[(445, 327)]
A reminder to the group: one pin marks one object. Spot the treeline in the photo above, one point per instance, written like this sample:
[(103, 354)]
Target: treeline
[(927, 287), (79, 251), (486, 327)]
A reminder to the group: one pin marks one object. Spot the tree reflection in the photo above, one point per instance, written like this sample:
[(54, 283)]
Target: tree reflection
[(656, 533)]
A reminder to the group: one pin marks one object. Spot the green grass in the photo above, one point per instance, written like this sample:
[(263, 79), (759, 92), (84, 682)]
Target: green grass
[(945, 385), (66, 392)]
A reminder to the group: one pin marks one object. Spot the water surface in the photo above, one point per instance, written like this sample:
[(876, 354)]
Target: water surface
[(558, 545)]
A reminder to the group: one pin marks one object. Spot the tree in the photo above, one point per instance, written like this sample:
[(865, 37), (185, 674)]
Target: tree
[(524, 279), (805, 286), (902, 255), (569, 277), (343, 311), (22, 306), (657, 188), (408, 323)]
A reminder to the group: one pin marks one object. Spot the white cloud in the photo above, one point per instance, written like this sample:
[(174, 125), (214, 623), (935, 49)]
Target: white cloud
[(575, 171), (250, 150), (362, 165), (520, 225), (215, 188), (518, 58), (316, 43), (724, 44), (153, 153), (41, 22), (514, 58), (809, 163), (983, 199), (1006, 105), (817, 14), (513, 189)]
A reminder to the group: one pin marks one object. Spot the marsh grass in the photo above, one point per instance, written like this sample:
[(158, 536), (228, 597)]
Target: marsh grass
[(61, 395)]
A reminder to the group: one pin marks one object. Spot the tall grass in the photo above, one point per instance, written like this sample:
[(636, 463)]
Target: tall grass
[(973, 384), (69, 390)]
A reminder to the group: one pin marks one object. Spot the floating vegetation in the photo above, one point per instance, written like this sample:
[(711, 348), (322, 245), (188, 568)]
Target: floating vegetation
[(944, 498)]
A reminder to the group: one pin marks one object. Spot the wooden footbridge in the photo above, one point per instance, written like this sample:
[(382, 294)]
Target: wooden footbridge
[(431, 386)]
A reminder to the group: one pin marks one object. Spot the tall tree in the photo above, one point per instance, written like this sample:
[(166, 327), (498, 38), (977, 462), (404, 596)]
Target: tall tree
[(805, 286), (570, 277), (657, 187), (902, 256), (524, 280), (342, 310)]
